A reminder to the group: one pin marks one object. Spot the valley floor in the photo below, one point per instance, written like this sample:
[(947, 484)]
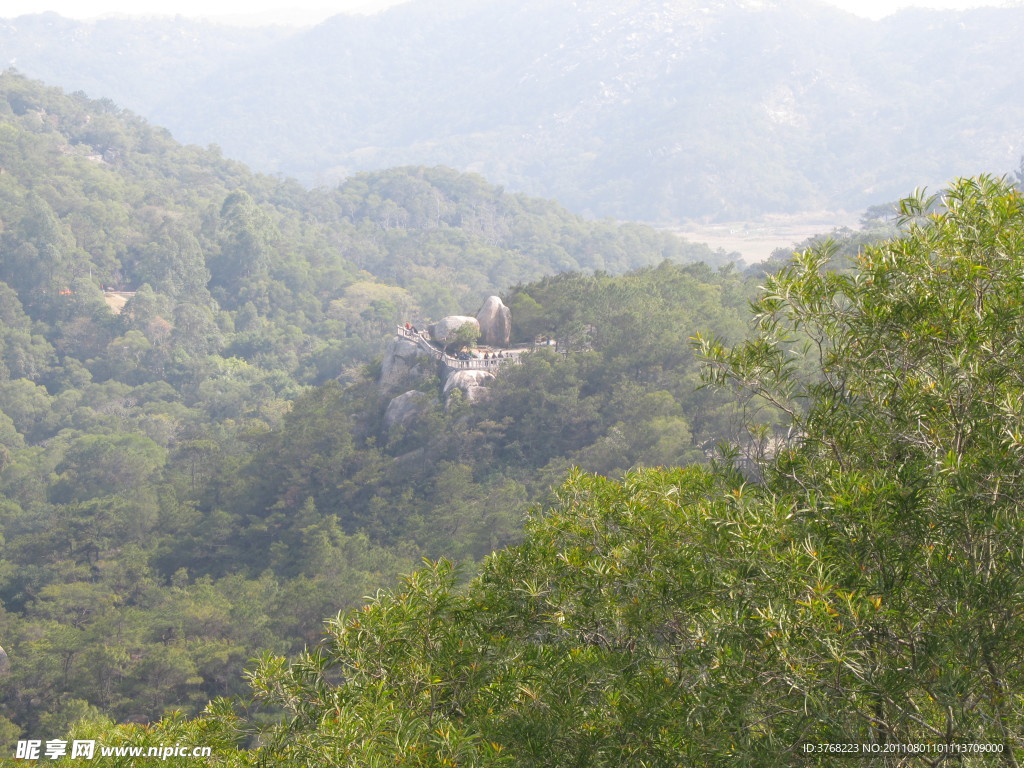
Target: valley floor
[(756, 239)]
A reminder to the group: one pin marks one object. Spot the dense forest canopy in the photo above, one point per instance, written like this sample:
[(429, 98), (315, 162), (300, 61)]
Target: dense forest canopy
[(687, 532), (206, 473), (866, 590)]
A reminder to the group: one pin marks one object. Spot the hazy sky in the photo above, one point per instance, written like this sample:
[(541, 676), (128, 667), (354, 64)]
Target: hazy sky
[(310, 11)]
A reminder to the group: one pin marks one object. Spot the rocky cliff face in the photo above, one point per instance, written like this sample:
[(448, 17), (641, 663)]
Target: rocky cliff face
[(472, 383), (403, 364), (405, 409), (406, 364), (495, 321)]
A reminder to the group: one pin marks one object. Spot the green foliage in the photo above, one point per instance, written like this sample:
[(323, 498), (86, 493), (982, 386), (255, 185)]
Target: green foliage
[(176, 491), (905, 464), (466, 336), (180, 489), (866, 591)]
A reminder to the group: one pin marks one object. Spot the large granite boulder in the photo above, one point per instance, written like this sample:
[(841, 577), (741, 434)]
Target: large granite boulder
[(403, 410), (403, 362), (445, 329), (472, 382), (495, 322)]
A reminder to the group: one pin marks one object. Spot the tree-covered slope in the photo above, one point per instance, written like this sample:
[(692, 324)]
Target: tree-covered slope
[(205, 474), (455, 480), (91, 191), (863, 596)]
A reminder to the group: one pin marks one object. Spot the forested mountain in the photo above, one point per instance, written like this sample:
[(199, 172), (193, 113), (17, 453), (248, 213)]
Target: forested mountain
[(207, 474), (684, 535), (643, 110), (861, 596)]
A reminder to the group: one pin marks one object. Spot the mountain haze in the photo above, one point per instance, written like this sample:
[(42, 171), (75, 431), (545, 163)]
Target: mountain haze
[(134, 62), (644, 109)]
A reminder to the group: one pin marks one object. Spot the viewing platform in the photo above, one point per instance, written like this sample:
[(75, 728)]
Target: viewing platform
[(454, 363)]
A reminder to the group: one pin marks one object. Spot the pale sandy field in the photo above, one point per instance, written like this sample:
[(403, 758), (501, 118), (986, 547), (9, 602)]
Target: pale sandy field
[(755, 240)]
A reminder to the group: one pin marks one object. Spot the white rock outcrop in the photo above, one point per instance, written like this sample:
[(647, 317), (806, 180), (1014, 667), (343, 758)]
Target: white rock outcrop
[(406, 408), (495, 321), (471, 382), (444, 330), (403, 360)]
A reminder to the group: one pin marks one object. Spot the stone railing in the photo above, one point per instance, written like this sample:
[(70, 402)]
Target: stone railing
[(473, 364)]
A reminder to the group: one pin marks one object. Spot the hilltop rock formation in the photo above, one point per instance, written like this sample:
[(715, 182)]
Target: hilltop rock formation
[(471, 382), (444, 330), (403, 363), (495, 321), (408, 361)]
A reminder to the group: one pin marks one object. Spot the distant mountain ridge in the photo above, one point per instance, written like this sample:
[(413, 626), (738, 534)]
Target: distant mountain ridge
[(640, 109), (137, 63)]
